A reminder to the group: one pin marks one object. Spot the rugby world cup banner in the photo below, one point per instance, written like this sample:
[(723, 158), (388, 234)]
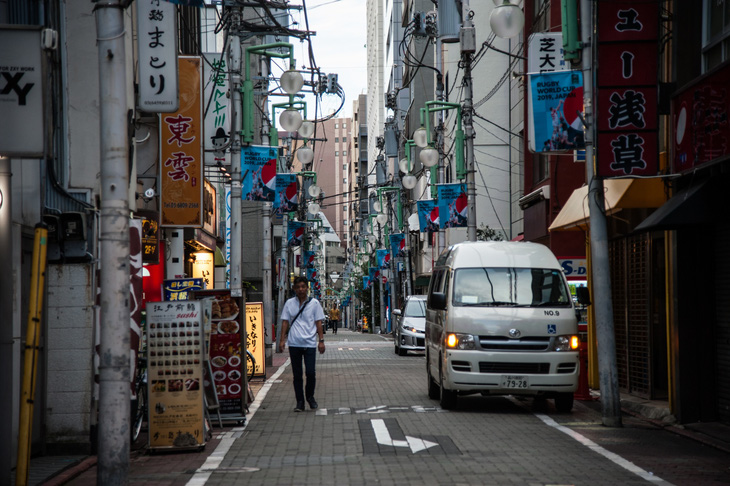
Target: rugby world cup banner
[(452, 203), (295, 233), (383, 256), (557, 102), (286, 198), (308, 258), (398, 244), (258, 164), (428, 215)]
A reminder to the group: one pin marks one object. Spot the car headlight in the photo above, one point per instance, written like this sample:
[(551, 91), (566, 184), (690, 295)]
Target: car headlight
[(460, 341), (566, 343), (410, 328)]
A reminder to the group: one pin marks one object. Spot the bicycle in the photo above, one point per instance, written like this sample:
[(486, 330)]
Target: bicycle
[(139, 405), (250, 365)]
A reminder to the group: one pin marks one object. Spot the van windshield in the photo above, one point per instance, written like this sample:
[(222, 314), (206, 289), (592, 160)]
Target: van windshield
[(515, 287)]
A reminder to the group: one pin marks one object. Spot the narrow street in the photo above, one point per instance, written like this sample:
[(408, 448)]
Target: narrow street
[(376, 425)]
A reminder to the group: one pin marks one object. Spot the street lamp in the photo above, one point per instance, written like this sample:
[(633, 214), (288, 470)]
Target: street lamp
[(429, 156), (506, 19), (409, 181), (290, 119), (291, 81), (305, 154)]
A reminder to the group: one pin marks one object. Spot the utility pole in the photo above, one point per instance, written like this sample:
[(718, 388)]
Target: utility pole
[(114, 372), (601, 270), (234, 63), (467, 40)]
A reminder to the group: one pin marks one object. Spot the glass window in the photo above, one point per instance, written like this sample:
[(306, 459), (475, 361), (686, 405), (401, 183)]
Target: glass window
[(415, 308), (336, 153), (716, 35), (514, 287), (344, 125), (344, 167), (344, 152), (336, 125)]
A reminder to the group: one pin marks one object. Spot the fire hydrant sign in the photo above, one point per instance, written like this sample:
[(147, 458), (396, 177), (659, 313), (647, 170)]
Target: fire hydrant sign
[(175, 375)]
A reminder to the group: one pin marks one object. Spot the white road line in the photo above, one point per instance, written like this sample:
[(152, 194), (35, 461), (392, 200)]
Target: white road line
[(615, 458), (216, 458)]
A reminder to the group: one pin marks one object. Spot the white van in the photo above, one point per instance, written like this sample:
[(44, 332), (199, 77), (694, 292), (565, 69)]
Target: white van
[(500, 321)]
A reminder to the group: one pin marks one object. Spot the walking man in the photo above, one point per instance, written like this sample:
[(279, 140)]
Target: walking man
[(302, 319), (335, 318)]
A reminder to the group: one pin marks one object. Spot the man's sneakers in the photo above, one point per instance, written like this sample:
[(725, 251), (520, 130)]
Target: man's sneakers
[(299, 407), (312, 403)]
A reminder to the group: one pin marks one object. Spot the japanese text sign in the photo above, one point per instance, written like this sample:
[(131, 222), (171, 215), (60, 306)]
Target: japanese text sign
[(157, 48), (217, 110), (181, 164), (626, 113)]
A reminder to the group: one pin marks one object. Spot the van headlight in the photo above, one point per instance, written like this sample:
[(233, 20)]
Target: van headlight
[(460, 341), (566, 343)]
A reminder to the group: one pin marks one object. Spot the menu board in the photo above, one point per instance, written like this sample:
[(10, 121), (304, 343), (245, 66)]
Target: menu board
[(175, 338), (255, 337)]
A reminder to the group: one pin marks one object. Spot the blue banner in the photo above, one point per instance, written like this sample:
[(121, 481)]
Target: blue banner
[(287, 197), (557, 101), (452, 202), (428, 215), (181, 288), (383, 257), (258, 165), (374, 274), (398, 244), (295, 233), (308, 258), (365, 282)]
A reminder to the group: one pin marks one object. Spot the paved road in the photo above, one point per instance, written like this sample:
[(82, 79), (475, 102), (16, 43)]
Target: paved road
[(376, 425)]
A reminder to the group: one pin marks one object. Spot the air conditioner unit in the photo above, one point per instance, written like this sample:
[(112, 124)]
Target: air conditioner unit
[(540, 194)]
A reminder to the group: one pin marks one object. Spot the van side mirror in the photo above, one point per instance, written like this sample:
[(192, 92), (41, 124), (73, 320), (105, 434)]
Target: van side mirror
[(396, 312), (438, 301), (584, 297)]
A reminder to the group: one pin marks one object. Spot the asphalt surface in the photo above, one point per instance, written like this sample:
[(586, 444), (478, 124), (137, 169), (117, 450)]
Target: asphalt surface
[(376, 425)]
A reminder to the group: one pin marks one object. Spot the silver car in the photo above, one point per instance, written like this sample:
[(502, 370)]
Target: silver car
[(410, 330)]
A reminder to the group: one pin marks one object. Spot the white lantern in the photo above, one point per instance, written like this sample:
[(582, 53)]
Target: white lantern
[(377, 206), (291, 82), (429, 157), (420, 137), (409, 181), (313, 208), (506, 20), (381, 219), (372, 239), (307, 129), (314, 190), (290, 120), (305, 155), (404, 165)]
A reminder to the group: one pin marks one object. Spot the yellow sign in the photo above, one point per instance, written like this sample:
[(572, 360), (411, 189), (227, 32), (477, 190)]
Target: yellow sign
[(181, 152), (255, 331)]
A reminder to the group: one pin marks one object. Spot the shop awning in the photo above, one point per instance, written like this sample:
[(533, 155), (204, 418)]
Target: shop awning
[(618, 194), (220, 258), (691, 206)]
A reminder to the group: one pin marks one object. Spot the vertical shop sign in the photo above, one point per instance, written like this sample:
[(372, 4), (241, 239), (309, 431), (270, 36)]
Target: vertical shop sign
[(150, 235), (255, 335), (175, 374), (157, 48), (216, 107), (21, 91), (626, 112), (181, 149)]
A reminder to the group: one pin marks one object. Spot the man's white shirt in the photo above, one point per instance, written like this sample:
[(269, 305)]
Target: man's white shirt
[(303, 331)]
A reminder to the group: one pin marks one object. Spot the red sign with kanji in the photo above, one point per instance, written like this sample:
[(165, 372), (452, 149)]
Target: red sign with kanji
[(626, 104)]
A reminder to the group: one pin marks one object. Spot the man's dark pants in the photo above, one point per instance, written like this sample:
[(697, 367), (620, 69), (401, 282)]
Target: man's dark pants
[(308, 355)]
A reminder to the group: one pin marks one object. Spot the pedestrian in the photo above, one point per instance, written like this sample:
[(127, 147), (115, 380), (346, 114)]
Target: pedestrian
[(301, 319), (335, 318)]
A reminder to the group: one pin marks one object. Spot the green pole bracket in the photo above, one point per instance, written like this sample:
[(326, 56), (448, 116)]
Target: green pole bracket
[(569, 15), (434, 181), (399, 212), (247, 86), (434, 106)]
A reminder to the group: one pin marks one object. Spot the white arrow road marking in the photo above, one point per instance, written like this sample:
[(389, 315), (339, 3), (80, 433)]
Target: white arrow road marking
[(383, 437)]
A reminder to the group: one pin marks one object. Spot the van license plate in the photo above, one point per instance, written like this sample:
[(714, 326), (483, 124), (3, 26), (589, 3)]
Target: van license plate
[(515, 381)]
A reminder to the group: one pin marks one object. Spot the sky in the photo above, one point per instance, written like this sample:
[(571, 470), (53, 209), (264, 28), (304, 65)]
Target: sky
[(339, 45)]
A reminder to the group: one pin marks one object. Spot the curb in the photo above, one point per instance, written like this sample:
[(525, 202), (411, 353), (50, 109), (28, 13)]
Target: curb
[(71, 472)]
